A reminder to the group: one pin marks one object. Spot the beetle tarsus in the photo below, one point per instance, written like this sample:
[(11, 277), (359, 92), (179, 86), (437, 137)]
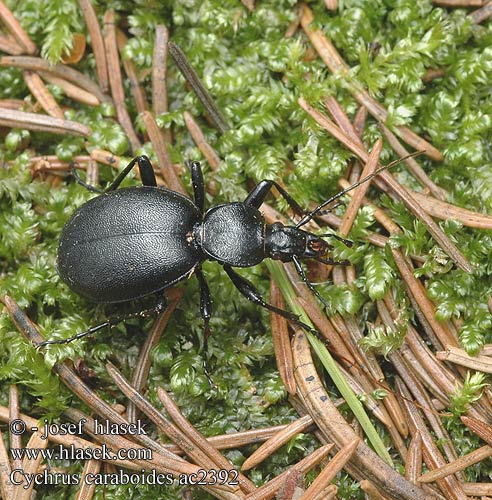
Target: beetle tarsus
[(78, 180), (302, 275)]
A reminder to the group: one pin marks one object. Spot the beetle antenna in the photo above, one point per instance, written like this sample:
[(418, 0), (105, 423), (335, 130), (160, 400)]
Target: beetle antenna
[(328, 210), (347, 243), (331, 262), (318, 209)]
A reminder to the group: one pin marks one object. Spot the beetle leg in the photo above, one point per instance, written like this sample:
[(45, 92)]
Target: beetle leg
[(146, 173), (78, 180), (205, 304), (257, 196), (302, 274), (157, 309), (251, 293), (198, 184), (206, 312)]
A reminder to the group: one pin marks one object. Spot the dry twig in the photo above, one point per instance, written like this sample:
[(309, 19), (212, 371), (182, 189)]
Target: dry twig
[(365, 463)]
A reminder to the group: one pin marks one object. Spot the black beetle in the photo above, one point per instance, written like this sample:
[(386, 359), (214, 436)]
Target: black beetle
[(132, 242)]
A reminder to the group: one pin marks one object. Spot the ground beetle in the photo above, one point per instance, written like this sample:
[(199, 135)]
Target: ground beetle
[(132, 242)]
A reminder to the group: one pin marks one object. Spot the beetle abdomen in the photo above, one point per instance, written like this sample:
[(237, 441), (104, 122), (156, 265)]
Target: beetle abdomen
[(128, 243), (234, 233)]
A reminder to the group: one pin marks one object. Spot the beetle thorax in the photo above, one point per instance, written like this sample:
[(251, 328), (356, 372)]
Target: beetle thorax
[(233, 234)]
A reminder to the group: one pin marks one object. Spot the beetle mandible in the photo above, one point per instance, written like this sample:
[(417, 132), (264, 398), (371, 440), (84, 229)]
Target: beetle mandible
[(132, 242)]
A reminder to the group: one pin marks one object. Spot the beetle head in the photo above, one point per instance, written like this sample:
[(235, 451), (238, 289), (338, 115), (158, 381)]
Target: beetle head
[(284, 242)]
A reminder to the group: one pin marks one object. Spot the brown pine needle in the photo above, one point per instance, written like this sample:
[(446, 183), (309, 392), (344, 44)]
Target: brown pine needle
[(198, 87), (365, 462), (443, 210), (413, 460), (10, 46), (276, 441), (70, 90), (105, 157), (335, 465), (97, 43), (131, 72), (6, 486), (328, 493), (460, 357), (115, 79), (372, 493), (399, 190), (459, 3), (30, 467), (42, 94), (165, 164), (15, 439), (417, 171), (331, 4), (457, 465), (88, 488), (326, 329), (360, 191), (480, 428), (477, 489), (480, 15), (142, 368), (336, 64), (281, 341), (159, 70), (199, 440), (42, 123), (68, 376), (60, 70), (417, 291), (449, 486), (11, 23), (268, 490), (199, 138)]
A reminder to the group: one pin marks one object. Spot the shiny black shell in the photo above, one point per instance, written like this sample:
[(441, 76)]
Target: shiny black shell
[(129, 243), (234, 233)]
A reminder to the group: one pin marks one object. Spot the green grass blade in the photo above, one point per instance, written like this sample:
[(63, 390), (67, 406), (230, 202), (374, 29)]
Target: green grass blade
[(331, 367)]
